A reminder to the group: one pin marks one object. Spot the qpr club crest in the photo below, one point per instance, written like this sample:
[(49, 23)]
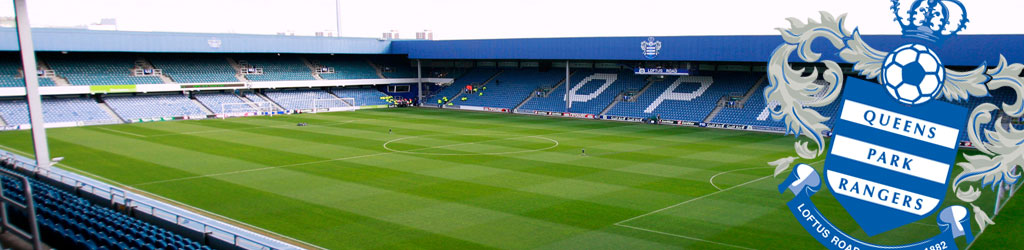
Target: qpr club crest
[(650, 48), (894, 142)]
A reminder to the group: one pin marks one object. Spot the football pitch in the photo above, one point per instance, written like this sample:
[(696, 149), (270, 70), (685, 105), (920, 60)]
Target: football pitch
[(465, 180)]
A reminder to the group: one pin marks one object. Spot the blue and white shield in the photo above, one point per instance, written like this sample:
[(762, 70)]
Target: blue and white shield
[(651, 48), (889, 163)]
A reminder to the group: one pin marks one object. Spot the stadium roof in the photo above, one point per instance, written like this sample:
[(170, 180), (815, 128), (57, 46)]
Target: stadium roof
[(965, 50), (82, 40)]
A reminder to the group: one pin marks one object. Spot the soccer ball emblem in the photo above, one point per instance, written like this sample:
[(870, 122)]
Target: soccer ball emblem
[(913, 74)]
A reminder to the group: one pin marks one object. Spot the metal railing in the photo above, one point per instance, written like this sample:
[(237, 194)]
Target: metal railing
[(155, 208), (29, 208)]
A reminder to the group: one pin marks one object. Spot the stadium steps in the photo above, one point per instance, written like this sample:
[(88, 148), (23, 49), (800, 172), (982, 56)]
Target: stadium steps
[(146, 63), (478, 86), (557, 85), (311, 68), (246, 101), (166, 79), (106, 108), (528, 98), (644, 89), (276, 105), (339, 98), (714, 112), (377, 69), (202, 106), (753, 89), (57, 80), (743, 100), (238, 68), (616, 100)]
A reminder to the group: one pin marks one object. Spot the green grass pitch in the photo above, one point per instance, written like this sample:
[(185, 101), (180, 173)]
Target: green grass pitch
[(466, 180)]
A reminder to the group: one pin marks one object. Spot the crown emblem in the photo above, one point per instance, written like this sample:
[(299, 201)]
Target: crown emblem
[(930, 20)]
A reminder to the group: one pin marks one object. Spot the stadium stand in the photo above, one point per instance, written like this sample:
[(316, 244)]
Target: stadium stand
[(685, 98), (593, 95), (277, 68), (10, 74), (345, 67), (194, 68), (215, 101), (67, 221), (756, 112), (152, 106), (296, 99), (395, 68), (78, 109), (475, 76), (106, 69), (512, 87), (362, 96)]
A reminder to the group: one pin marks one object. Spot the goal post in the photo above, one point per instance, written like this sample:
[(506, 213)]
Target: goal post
[(246, 109), (333, 104)]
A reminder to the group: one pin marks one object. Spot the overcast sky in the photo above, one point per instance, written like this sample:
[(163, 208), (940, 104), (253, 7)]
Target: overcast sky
[(477, 19)]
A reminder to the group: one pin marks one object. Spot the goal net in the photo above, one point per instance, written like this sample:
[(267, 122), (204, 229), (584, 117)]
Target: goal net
[(246, 109), (333, 104)]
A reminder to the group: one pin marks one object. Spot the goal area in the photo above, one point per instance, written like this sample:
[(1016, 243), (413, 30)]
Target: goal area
[(333, 105), (246, 109)]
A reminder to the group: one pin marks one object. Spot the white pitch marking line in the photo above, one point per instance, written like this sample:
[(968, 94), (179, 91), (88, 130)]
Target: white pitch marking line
[(177, 203), (690, 200), (258, 127), (322, 161), (978, 235), (683, 236), (122, 132), (620, 223), (712, 180)]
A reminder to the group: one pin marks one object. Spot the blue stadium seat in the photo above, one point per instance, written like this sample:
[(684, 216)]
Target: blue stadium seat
[(153, 106), (77, 109), (105, 69), (69, 221), (511, 87), (362, 96), (278, 68), (591, 92), (11, 76), (346, 68), (195, 68), (295, 99)]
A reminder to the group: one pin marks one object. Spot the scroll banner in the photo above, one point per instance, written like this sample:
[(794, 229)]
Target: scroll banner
[(804, 181)]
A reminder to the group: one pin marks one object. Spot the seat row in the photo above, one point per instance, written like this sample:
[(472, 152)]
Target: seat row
[(67, 221)]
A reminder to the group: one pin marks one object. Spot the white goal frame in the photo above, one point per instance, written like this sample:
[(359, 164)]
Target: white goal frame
[(333, 104), (246, 109)]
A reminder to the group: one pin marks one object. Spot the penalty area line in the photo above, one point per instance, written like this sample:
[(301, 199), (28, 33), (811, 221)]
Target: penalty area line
[(622, 223), (690, 200), (683, 236), (121, 132)]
